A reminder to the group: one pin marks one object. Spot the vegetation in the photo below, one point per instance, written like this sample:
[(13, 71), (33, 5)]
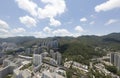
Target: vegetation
[(80, 49), (26, 66), (10, 52), (77, 51), (9, 76), (112, 69), (97, 74)]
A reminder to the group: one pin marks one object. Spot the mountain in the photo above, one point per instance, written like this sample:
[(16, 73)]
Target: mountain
[(83, 47), (18, 40), (92, 40), (114, 37), (77, 49)]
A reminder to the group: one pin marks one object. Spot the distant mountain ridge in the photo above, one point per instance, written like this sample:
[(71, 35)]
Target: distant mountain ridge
[(113, 38), (17, 39), (77, 49)]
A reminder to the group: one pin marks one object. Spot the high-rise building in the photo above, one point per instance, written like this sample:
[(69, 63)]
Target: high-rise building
[(115, 59), (112, 58), (35, 50), (28, 51), (116, 56), (58, 58), (53, 54), (118, 64), (37, 59), (40, 50)]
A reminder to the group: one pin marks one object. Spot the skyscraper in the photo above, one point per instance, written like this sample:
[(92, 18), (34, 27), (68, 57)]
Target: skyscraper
[(112, 58), (58, 58), (37, 59), (115, 59)]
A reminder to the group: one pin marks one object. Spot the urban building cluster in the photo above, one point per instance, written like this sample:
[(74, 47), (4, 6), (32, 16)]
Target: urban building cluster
[(42, 60), (5, 46)]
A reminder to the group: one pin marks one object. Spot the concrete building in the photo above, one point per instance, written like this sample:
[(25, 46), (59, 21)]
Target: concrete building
[(58, 58), (116, 56), (37, 59), (35, 50), (28, 51), (115, 59), (7, 70), (112, 58), (25, 57), (53, 54), (47, 74), (22, 73), (40, 50)]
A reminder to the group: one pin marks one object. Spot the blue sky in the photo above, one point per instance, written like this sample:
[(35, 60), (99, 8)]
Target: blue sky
[(48, 18)]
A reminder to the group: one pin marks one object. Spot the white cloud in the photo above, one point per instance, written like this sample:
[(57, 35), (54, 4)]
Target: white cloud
[(3, 24), (38, 34), (28, 21), (52, 8), (92, 22), (18, 30), (47, 29), (54, 22), (108, 5), (83, 19), (3, 31), (28, 5), (61, 32), (111, 21), (79, 29), (5, 35)]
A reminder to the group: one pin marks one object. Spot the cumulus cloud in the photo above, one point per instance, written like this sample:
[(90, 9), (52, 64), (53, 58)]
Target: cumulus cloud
[(28, 21), (3, 31), (111, 21), (61, 32), (54, 22), (108, 5), (83, 19), (28, 5), (18, 30), (3, 24), (79, 29), (52, 8), (47, 29), (38, 34)]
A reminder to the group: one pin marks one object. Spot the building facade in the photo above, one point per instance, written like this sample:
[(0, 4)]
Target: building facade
[(115, 59), (37, 59)]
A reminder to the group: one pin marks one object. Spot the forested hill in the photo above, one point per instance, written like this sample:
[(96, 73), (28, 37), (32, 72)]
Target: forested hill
[(83, 47), (77, 49), (18, 40), (112, 39)]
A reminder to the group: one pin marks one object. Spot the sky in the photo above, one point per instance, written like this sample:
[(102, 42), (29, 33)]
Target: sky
[(49, 18)]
